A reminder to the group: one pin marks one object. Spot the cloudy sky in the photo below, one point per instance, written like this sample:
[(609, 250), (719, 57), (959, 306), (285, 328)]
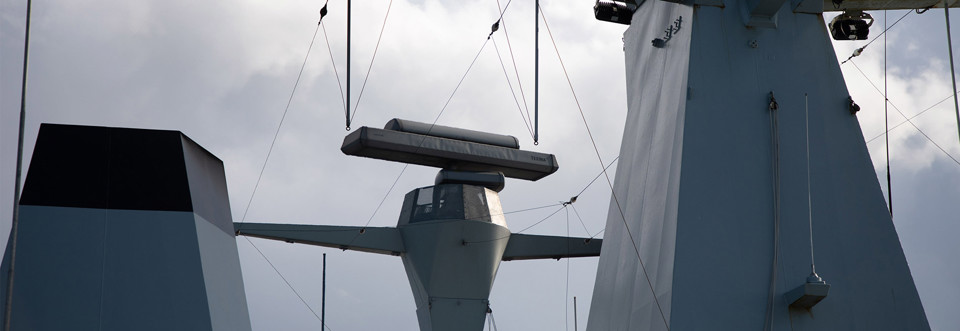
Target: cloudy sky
[(222, 72)]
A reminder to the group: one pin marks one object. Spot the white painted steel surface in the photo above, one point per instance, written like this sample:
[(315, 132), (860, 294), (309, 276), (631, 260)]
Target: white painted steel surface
[(648, 176), (695, 184)]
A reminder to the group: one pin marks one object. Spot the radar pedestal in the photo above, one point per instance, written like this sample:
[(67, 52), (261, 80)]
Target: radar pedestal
[(454, 236), (451, 236)]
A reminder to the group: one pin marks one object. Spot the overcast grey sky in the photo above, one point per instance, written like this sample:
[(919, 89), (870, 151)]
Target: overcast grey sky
[(221, 72)]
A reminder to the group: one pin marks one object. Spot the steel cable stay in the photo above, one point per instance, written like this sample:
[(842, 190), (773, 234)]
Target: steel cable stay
[(555, 212), (285, 281), (527, 119), (350, 116), (636, 249), (566, 292), (886, 128), (282, 118), (323, 12), (775, 170), (493, 322), (575, 212), (363, 86), (953, 70), (908, 119), (332, 62), (513, 60), (912, 117), (609, 182), (859, 51), (562, 205), (512, 92), (437, 118)]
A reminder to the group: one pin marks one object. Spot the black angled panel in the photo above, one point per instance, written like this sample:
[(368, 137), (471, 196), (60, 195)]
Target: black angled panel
[(68, 168), (110, 168)]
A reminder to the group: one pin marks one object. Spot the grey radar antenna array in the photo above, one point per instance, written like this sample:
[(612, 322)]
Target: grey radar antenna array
[(452, 235)]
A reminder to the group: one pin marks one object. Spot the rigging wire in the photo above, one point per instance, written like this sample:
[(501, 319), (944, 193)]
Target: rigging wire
[(953, 73), (285, 281), (572, 200), (536, 73), (806, 116), (561, 205), (911, 117), (492, 320), (510, 84), (886, 117), (609, 182), (442, 109), (500, 18), (370, 67), (775, 146), (566, 291), (385, 196), (598, 176), (575, 212), (280, 125), (333, 63), (908, 120), (859, 51), (543, 219), (513, 59), (598, 233)]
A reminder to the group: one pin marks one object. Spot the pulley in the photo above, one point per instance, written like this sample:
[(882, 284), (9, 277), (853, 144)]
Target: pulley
[(851, 25)]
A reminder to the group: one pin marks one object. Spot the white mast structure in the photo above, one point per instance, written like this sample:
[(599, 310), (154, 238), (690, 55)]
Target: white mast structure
[(710, 226)]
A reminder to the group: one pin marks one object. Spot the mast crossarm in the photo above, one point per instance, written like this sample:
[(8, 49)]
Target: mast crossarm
[(886, 4), (529, 247), (364, 239), (845, 5)]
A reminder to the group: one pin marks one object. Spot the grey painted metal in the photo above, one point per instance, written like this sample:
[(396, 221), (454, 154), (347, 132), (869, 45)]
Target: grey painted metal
[(96, 269), (807, 295), (575, 313), (763, 13), (86, 266), (536, 72), (491, 180), (323, 295), (648, 177), (14, 227), (349, 35), (819, 6), (528, 247), (448, 153), (441, 131), (695, 181), (207, 182), (451, 238), (222, 278), (885, 4), (371, 240), (451, 265)]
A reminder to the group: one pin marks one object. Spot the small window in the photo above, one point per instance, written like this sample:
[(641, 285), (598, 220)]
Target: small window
[(423, 209), (425, 196)]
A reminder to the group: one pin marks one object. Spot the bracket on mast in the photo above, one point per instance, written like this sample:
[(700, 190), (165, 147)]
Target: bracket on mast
[(762, 13)]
